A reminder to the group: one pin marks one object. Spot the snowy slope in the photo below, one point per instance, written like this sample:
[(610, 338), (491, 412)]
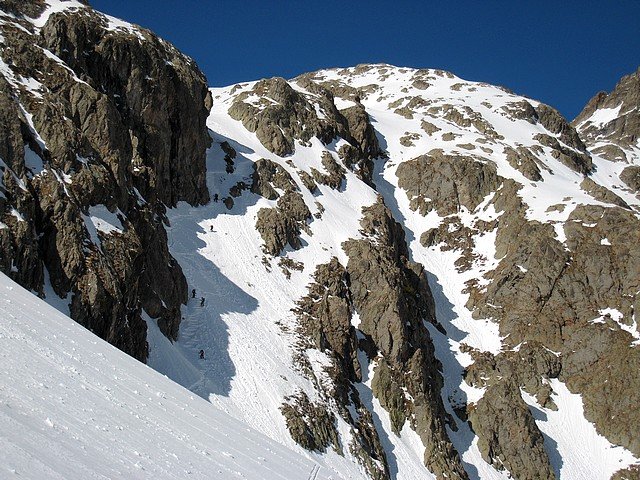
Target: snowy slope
[(72, 406)]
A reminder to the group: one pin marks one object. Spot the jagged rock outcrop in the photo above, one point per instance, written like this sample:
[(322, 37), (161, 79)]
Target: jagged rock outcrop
[(334, 175), (446, 182), (282, 115), (544, 292), (551, 119), (102, 125), (523, 160), (610, 122), (508, 437), (393, 298), (267, 176), (631, 177), (282, 225), (325, 323), (530, 366), (576, 160), (311, 426)]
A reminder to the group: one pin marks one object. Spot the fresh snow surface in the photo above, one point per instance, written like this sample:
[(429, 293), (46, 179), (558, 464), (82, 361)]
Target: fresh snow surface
[(575, 449), (74, 407), (601, 117), (55, 6)]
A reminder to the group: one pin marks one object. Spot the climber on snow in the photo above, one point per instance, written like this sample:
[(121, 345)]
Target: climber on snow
[(202, 302), (193, 293), (201, 354)]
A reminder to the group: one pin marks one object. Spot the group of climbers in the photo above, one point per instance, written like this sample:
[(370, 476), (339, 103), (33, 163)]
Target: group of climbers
[(193, 295)]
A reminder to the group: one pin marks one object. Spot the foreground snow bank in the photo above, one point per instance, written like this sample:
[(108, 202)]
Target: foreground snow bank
[(72, 406)]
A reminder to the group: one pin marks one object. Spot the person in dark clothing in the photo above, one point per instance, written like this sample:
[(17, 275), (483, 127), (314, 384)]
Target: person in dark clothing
[(201, 354), (215, 197), (193, 293), (202, 302), (211, 228)]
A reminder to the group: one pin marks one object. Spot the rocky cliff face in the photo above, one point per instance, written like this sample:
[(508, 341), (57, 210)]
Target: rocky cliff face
[(103, 126), (610, 126), (610, 123)]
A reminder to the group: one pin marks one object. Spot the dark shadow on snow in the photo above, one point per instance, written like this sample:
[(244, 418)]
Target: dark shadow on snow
[(366, 397), (204, 327), (550, 445)]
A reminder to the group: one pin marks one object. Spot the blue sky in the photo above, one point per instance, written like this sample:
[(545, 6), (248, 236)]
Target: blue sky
[(560, 52)]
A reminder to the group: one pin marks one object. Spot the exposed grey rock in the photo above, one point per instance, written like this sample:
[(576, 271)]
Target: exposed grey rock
[(407, 139), (325, 321), (267, 175), (310, 425), (363, 138), (393, 299), (542, 292), (508, 436), (631, 176), (466, 117), (599, 363), (448, 181), (325, 316), (335, 172), (20, 8), (429, 128), (523, 160), (123, 125), (578, 161), (528, 366), (602, 193), (282, 225), (622, 131), (551, 119), (361, 131), (284, 115), (159, 94), (288, 117), (308, 181), (521, 110), (229, 156)]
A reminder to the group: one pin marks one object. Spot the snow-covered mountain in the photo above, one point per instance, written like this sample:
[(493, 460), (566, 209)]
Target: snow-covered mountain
[(398, 273)]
